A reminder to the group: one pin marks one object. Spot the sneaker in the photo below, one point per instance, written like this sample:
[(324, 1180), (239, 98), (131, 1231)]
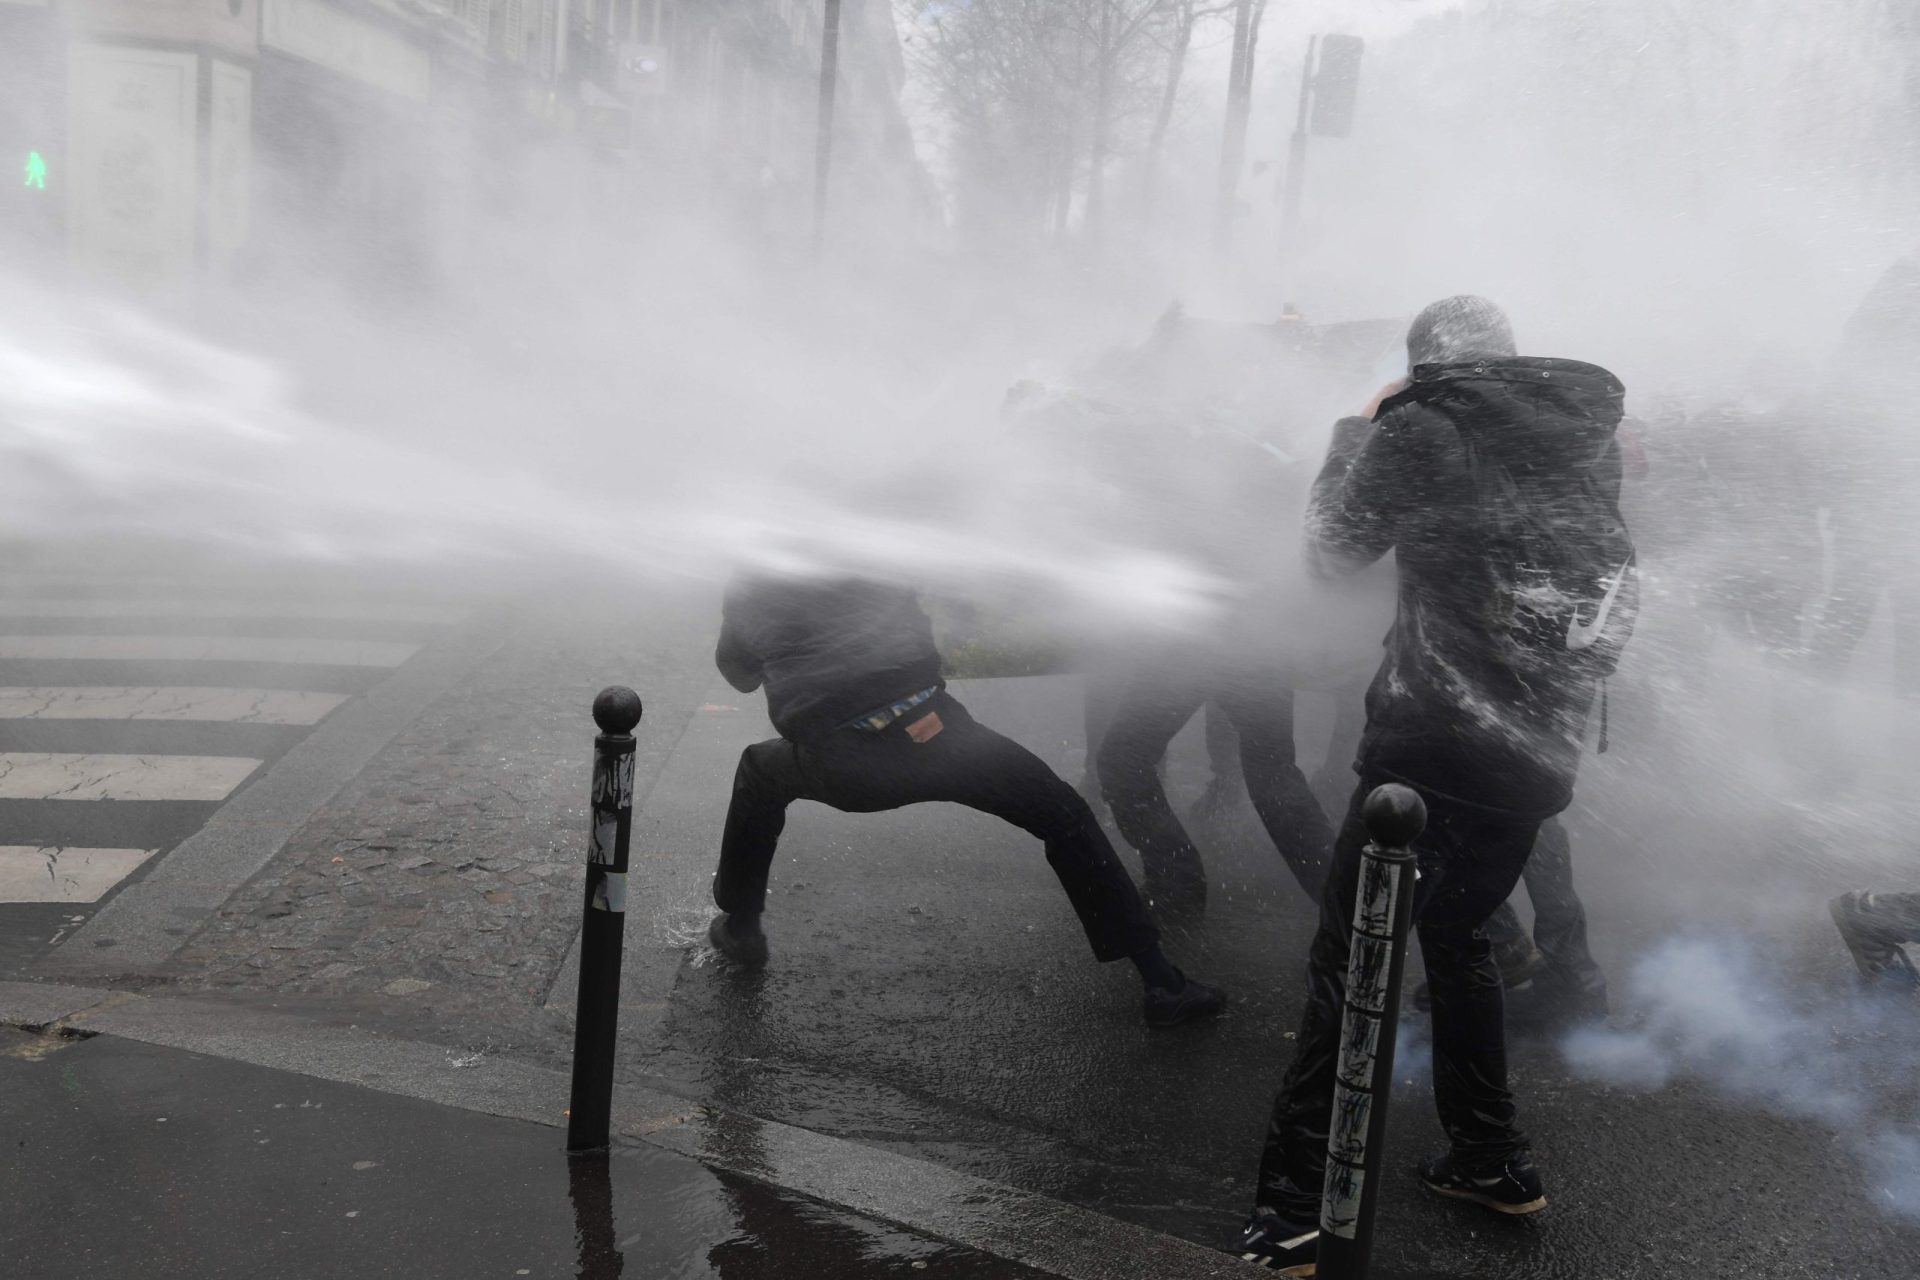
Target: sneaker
[(1519, 961), (1193, 1000), (1876, 950), (1513, 1187), (742, 946), (1282, 1247)]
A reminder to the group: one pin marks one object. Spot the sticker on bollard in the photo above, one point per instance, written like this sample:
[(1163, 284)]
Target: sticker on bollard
[(611, 893)]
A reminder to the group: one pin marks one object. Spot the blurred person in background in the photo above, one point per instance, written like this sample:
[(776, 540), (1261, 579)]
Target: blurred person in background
[(1495, 480), (1875, 472), (1080, 441), (1224, 500)]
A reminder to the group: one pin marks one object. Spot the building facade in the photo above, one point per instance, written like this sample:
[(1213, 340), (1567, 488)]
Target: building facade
[(165, 143)]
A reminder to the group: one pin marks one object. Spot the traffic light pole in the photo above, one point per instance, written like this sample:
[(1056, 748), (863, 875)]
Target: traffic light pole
[(1233, 143), (1296, 176), (823, 154)]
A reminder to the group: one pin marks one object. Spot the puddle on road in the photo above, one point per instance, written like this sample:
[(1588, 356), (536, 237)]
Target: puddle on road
[(757, 1232)]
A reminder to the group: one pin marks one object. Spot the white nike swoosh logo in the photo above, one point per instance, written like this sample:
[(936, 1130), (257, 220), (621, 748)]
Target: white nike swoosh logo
[(1581, 636)]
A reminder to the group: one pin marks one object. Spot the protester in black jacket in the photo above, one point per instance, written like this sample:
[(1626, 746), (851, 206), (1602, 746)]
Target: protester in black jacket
[(1495, 481), (853, 685)]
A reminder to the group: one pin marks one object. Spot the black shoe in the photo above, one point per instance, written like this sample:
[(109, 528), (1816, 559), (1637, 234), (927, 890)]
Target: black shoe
[(1546, 1006), (1280, 1246), (1519, 961), (742, 946), (1513, 1187), (1193, 1000), (1883, 965)]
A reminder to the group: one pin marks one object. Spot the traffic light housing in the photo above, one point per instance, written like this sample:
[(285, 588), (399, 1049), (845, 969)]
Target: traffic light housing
[(33, 120), (1336, 85)]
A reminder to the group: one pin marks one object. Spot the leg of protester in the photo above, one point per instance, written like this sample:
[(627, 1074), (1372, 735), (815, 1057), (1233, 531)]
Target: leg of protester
[(1470, 859), (1261, 708), (965, 762), (1159, 702)]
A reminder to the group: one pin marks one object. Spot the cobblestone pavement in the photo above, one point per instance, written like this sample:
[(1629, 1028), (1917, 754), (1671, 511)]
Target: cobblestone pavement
[(440, 890)]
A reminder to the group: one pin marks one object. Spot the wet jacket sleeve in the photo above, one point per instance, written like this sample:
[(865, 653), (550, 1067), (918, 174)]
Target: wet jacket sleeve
[(1371, 480), (734, 655)]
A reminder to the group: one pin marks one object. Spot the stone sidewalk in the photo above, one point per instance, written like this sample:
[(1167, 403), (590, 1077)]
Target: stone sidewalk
[(440, 891)]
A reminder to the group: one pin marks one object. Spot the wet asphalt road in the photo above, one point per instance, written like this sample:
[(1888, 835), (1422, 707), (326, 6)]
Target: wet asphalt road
[(930, 991), (124, 1159)]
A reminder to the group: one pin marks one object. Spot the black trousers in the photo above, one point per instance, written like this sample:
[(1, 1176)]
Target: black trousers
[(1559, 917), (1159, 702), (1470, 859), (858, 771)]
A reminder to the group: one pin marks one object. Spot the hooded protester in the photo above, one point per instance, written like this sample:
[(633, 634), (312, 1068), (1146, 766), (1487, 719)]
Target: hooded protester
[(866, 724), (1495, 480)]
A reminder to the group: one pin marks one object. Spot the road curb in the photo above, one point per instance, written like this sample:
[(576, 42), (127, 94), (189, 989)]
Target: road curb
[(1019, 1226), (145, 923)]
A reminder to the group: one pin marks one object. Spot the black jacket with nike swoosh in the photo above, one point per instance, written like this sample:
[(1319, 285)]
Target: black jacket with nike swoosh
[(1496, 484)]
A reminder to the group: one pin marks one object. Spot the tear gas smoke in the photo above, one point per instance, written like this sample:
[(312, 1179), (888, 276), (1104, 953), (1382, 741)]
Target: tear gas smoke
[(1715, 1013)]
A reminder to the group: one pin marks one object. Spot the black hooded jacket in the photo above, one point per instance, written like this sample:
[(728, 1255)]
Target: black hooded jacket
[(828, 649), (1455, 708)]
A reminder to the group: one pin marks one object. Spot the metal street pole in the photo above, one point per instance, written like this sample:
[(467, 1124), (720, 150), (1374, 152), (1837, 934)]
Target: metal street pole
[(1363, 1081), (597, 1017), (1233, 143), (1296, 175), (823, 155)]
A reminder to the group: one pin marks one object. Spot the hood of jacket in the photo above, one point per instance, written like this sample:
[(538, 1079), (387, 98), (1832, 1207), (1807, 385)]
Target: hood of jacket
[(1528, 412)]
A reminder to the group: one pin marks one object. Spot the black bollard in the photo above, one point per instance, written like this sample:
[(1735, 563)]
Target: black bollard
[(1357, 1135), (597, 1017)]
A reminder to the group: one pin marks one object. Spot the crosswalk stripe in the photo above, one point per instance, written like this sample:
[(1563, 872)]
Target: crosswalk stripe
[(304, 651), (175, 607), (103, 702), (56, 874), (28, 775)]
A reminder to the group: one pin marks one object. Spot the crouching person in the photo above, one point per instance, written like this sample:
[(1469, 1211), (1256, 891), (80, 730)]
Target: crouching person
[(853, 686), (1495, 480)]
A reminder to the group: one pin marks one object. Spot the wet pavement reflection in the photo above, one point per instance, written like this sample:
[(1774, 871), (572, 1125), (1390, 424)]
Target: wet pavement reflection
[(131, 1159), (590, 1185)]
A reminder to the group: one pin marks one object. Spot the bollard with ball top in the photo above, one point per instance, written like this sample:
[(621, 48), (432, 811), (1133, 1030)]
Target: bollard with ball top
[(1376, 965), (596, 1019)]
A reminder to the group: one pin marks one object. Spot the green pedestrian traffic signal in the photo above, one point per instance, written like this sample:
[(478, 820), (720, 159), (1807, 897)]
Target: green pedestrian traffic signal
[(36, 171)]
